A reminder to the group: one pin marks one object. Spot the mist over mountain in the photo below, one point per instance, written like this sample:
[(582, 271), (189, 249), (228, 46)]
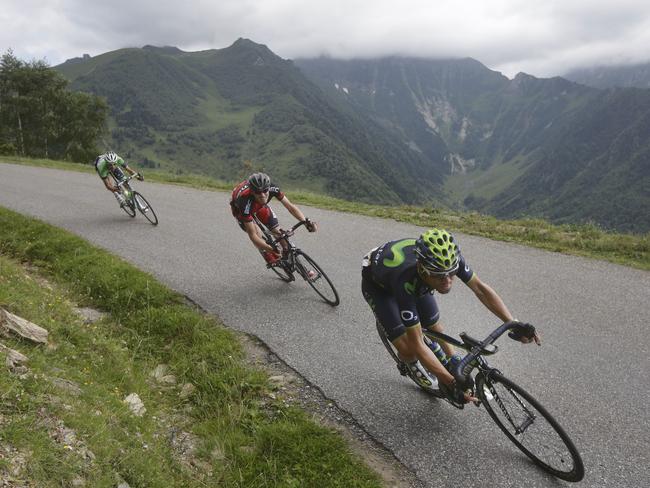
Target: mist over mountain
[(625, 76)]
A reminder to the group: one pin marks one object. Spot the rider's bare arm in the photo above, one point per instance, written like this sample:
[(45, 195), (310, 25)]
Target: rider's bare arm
[(493, 302), (108, 183), (131, 171), (489, 298), (297, 213), (293, 210), (254, 236)]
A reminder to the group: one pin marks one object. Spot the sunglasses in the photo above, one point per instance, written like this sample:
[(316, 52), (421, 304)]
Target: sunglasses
[(260, 192), (440, 275)]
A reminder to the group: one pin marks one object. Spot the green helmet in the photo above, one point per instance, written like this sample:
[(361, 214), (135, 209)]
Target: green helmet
[(437, 252)]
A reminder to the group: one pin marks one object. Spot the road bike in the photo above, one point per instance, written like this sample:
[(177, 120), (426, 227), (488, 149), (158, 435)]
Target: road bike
[(296, 261), (133, 200), (517, 413)]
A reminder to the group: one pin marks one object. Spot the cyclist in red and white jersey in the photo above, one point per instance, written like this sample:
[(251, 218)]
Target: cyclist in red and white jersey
[(250, 200)]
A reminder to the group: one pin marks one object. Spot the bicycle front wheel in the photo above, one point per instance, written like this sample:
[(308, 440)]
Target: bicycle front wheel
[(145, 208), (316, 278), (529, 426)]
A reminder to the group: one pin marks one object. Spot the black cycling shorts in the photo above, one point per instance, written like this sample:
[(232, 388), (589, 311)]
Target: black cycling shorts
[(387, 312)]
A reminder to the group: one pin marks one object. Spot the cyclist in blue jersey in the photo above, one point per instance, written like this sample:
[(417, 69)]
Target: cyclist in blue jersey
[(398, 282)]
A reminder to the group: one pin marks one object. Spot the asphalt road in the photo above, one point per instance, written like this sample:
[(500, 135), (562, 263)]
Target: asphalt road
[(591, 372)]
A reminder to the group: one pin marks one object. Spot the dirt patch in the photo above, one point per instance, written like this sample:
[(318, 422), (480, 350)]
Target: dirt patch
[(295, 390)]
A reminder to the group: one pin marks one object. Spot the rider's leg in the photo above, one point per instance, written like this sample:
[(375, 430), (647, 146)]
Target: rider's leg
[(411, 344), (430, 319), (114, 190), (430, 315), (267, 216), (269, 257), (448, 348), (386, 311)]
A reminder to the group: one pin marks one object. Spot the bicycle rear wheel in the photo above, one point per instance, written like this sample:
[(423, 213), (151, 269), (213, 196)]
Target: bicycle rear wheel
[(145, 208), (529, 426), (129, 207), (316, 278)]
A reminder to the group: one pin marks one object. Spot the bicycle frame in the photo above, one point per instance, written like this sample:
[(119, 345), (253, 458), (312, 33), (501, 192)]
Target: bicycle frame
[(466, 342), (290, 258), (133, 200), (477, 349), (513, 409), (123, 183)]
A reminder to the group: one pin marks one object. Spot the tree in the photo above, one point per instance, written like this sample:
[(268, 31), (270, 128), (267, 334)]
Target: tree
[(39, 117)]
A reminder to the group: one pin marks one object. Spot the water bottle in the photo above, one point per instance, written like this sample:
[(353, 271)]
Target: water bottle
[(437, 350)]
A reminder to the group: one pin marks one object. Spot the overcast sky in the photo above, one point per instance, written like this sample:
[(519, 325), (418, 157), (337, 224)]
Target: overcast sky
[(542, 38)]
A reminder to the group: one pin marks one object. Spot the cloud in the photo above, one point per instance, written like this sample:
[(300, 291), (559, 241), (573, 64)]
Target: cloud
[(541, 38)]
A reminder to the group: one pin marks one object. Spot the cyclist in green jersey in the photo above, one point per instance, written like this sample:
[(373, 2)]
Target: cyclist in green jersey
[(104, 164), (398, 281)]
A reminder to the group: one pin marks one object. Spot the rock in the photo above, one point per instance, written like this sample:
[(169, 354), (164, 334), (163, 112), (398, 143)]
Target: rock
[(278, 380), (66, 385), (89, 315), (22, 327), (161, 376), (187, 391), (159, 372), (135, 404), (168, 379)]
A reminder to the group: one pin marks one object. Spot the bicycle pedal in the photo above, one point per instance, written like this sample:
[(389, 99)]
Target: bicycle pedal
[(403, 369)]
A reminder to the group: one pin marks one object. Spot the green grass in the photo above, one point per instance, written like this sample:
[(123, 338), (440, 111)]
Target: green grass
[(484, 183), (581, 240), (243, 438)]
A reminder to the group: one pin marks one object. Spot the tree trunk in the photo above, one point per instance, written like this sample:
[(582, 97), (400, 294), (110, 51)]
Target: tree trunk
[(21, 141)]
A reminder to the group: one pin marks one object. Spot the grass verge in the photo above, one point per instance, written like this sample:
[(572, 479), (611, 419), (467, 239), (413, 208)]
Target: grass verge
[(586, 240), (210, 418)]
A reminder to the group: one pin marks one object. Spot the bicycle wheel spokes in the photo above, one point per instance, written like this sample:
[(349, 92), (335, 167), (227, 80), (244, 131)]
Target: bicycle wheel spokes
[(128, 207), (529, 426), (316, 278), (283, 271), (145, 208)]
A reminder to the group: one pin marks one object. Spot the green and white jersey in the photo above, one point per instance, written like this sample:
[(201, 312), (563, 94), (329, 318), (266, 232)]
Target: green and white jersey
[(101, 165)]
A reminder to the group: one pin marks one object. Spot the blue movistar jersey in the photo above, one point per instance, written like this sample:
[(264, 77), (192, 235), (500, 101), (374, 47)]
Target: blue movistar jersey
[(393, 267)]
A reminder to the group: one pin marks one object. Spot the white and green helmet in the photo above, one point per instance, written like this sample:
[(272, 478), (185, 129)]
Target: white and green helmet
[(437, 251), (111, 157)]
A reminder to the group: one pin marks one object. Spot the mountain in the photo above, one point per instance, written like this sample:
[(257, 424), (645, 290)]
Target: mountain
[(445, 132), (630, 76), (522, 147), (226, 112)]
